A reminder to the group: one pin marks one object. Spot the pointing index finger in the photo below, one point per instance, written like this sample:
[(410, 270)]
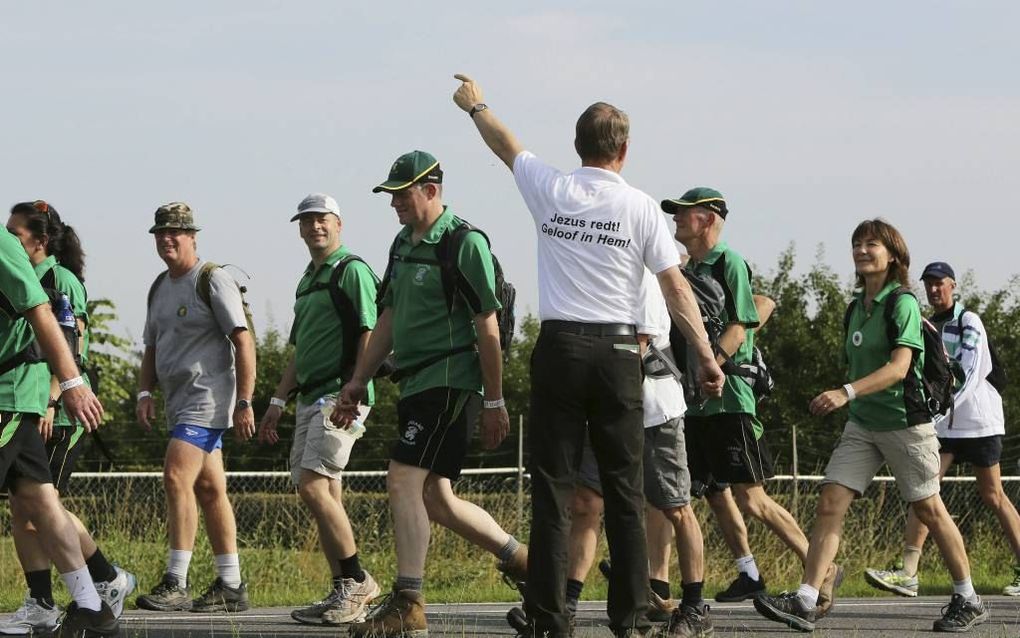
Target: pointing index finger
[(462, 77)]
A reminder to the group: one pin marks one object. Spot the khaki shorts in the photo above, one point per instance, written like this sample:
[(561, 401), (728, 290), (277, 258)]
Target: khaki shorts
[(318, 446), (912, 455)]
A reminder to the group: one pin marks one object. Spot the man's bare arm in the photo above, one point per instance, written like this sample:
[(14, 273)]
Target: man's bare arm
[(494, 133)]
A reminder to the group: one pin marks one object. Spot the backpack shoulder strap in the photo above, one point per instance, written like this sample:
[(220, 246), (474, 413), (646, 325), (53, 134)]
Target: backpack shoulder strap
[(152, 289), (204, 285), (49, 279), (448, 252), (385, 283), (891, 330), (846, 316), (342, 302)]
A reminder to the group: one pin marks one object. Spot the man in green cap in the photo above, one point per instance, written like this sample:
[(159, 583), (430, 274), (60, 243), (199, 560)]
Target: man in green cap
[(446, 347), (199, 346), (334, 314), (725, 440)]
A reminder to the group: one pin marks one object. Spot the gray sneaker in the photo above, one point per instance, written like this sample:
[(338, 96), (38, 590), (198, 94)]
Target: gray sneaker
[(115, 592), (220, 597), (168, 595), (312, 614), (30, 619), (352, 604)]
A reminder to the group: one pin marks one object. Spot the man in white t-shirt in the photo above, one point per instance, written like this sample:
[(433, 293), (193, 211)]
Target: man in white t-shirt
[(596, 236)]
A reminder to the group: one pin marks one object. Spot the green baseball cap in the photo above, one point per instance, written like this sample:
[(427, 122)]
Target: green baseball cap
[(176, 215), (411, 168), (700, 196)]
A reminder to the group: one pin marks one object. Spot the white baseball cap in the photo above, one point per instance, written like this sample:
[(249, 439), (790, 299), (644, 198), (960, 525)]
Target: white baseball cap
[(316, 203)]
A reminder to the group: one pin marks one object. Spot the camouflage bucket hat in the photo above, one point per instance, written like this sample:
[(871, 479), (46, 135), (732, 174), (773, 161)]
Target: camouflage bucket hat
[(174, 215)]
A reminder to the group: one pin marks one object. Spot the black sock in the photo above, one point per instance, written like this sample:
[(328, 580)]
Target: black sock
[(351, 568), (337, 581), (660, 587), (692, 594), (40, 586), (100, 569), (574, 588)]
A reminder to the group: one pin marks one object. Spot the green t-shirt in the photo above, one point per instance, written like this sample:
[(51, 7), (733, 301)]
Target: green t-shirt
[(27, 387), (423, 327), (868, 348), (67, 283), (737, 396), (317, 333)]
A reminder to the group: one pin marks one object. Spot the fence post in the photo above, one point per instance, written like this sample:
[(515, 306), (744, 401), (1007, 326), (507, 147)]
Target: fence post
[(796, 474), (520, 473)]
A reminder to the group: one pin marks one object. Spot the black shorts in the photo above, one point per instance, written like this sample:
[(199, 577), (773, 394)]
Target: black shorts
[(22, 453), (983, 451), (722, 449), (63, 450), (435, 427)]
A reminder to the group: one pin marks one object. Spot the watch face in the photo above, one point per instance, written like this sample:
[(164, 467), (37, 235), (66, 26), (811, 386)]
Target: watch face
[(244, 404)]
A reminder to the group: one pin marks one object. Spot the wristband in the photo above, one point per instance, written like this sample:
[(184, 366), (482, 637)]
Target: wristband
[(71, 383), (498, 403), (144, 394), (278, 402), (850, 394)]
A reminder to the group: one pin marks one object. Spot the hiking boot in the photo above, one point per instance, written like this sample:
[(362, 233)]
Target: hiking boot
[(115, 592), (168, 595), (401, 614), (352, 604), (515, 570), (741, 589), (80, 622), (959, 615), (659, 609), (33, 617), (1013, 589), (893, 579), (220, 597), (826, 593), (688, 622), (788, 609)]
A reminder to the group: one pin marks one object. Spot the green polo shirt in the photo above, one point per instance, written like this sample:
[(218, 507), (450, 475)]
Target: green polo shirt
[(317, 333), (737, 396), (868, 348), (27, 387), (422, 325), (68, 284)]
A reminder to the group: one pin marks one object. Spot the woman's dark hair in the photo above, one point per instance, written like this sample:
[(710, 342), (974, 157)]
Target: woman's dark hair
[(883, 231), (62, 242)]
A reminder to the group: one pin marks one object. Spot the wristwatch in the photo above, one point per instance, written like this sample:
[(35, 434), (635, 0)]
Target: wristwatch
[(243, 404), (477, 108)]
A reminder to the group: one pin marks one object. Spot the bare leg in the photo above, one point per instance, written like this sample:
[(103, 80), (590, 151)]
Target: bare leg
[(730, 522), (932, 512), (585, 518), (690, 545), (659, 536), (754, 502), (405, 485), (322, 495), (833, 504), (990, 487), (56, 531), (462, 517), (211, 494), (916, 532), (180, 472)]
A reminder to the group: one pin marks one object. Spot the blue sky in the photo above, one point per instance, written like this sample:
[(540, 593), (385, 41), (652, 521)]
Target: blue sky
[(808, 116)]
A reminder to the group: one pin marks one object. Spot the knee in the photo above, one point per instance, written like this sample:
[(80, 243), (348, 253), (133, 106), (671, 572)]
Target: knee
[(929, 511), (208, 492), (830, 505), (176, 482), (748, 504), (435, 502), (993, 496), (313, 491), (586, 506)]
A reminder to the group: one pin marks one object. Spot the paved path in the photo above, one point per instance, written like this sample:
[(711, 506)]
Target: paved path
[(862, 618)]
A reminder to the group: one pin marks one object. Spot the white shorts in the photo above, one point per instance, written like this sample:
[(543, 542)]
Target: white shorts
[(318, 446)]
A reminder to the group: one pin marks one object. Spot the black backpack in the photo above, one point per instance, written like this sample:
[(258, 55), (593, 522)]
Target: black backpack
[(454, 282), (997, 377), (940, 375), (64, 314), (711, 298)]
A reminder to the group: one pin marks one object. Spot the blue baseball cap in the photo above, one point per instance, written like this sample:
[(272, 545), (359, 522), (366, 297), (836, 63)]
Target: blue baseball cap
[(938, 270)]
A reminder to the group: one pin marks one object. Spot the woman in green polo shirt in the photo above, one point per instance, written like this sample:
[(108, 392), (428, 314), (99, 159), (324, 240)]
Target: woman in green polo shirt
[(888, 424)]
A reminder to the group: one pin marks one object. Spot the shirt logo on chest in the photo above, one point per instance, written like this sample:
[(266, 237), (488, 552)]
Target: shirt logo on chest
[(182, 311), (420, 274)]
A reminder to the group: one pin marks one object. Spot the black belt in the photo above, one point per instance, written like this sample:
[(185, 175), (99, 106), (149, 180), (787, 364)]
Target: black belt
[(590, 329)]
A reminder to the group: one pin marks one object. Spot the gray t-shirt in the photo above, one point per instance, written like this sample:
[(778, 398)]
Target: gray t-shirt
[(194, 356)]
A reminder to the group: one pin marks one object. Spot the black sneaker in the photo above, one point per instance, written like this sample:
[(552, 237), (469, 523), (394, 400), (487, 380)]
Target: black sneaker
[(788, 609), (741, 589), (960, 615), (168, 595), (220, 597), (688, 622), (79, 622)]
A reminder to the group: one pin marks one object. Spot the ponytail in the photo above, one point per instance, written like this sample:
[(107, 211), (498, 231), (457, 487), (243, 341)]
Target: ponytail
[(63, 243)]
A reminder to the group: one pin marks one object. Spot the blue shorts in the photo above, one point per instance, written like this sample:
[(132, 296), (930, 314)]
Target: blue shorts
[(206, 439)]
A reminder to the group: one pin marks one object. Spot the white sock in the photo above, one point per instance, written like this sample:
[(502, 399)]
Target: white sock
[(177, 563), (82, 589), (747, 565), (808, 595), (228, 568), (966, 589)]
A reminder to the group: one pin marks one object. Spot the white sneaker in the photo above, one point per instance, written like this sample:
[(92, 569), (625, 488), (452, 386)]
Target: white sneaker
[(30, 618), (115, 592)]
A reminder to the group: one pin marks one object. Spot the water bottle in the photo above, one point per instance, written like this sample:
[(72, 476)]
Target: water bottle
[(65, 314), (326, 406)]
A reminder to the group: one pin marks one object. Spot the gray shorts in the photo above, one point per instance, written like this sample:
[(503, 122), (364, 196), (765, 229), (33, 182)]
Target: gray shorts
[(912, 455), (667, 481), (318, 446)]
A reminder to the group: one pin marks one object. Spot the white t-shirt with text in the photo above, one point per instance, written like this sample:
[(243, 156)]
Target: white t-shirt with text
[(663, 399)]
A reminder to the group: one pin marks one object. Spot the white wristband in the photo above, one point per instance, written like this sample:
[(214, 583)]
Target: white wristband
[(850, 394), (71, 383), (278, 402), (144, 394), (498, 403)]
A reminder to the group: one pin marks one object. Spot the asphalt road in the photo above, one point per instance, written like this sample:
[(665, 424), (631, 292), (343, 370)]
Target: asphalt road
[(860, 618)]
